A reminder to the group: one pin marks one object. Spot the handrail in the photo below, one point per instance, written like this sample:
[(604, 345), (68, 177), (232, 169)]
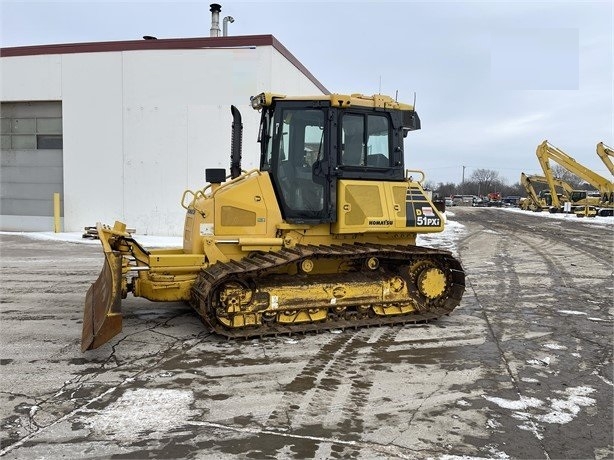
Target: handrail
[(410, 178), (203, 192), (183, 205)]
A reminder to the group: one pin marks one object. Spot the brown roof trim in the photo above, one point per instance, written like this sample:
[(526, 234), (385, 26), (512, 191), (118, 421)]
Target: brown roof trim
[(164, 44)]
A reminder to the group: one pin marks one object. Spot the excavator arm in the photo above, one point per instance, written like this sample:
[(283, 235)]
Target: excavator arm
[(605, 153), (528, 181), (531, 193), (546, 152)]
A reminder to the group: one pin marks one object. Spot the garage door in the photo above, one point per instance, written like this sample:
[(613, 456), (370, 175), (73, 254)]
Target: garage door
[(31, 164)]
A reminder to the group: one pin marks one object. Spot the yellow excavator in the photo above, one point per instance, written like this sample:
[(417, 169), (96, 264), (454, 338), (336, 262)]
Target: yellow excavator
[(543, 200), (604, 152), (321, 236), (582, 202)]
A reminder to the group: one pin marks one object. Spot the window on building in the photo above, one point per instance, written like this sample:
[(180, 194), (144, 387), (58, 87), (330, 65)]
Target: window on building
[(31, 133)]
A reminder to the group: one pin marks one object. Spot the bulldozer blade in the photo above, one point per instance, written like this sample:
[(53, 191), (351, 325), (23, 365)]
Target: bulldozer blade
[(102, 318)]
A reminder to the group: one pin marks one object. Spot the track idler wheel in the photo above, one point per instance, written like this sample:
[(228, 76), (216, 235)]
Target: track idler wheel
[(429, 278), (432, 282)]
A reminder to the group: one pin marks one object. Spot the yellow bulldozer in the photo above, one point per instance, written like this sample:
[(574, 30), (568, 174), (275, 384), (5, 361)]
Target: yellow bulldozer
[(322, 235)]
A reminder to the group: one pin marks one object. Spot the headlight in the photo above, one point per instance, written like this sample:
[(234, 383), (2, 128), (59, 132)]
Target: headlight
[(258, 101)]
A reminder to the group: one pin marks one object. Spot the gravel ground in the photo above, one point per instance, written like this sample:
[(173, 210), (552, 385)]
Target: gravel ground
[(521, 369)]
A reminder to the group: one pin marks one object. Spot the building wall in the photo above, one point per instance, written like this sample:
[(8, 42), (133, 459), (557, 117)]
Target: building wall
[(141, 126)]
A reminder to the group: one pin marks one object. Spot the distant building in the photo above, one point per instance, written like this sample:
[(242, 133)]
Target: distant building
[(121, 129)]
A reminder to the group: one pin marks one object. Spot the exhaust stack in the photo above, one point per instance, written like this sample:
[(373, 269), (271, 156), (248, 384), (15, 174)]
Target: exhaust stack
[(215, 9), (236, 143)]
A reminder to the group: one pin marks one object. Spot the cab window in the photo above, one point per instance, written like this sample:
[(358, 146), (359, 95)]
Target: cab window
[(300, 141), (365, 140)]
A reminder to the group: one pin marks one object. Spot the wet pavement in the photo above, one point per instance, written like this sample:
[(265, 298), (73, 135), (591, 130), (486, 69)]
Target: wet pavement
[(521, 369)]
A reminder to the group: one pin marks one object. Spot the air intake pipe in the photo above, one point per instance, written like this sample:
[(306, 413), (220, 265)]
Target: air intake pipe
[(225, 22)]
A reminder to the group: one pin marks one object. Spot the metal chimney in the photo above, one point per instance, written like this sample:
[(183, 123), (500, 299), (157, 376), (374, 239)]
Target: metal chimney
[(215, 19)]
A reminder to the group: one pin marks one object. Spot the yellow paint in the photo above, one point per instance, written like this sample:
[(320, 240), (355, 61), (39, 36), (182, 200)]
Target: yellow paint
[(57, 227)]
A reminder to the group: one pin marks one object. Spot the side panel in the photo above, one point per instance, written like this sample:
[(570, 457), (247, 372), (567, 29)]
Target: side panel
[(245, 207), (384, 207), (422, 216)]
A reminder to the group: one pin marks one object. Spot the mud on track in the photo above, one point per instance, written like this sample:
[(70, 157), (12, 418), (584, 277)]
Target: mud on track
[(522, 368)]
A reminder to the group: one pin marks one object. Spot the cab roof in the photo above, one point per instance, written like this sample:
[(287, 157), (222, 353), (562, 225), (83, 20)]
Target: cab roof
[(379, 101)]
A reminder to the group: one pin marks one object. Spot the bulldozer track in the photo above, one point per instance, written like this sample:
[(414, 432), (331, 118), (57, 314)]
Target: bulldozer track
[(258, 266)]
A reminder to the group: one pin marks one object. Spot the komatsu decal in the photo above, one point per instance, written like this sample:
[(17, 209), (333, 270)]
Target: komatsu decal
[(425, 221), (428, 218), (381, 222), (419, 210)]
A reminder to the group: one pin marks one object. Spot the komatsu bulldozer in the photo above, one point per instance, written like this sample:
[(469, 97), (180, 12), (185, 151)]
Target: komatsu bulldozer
[(322, 235)]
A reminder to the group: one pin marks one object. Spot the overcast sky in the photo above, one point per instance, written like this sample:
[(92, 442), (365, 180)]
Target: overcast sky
[(492, 79)]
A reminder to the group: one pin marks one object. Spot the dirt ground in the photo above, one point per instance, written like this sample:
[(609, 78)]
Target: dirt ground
[(521, 369)]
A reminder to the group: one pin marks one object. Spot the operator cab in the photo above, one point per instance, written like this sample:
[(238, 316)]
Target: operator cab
[(308, 144)]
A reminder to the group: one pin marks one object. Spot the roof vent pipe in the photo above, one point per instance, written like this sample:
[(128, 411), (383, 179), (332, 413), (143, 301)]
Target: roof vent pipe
[(225, 22), (215, 20)]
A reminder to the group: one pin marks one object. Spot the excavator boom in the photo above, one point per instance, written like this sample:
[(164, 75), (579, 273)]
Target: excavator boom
[(546, 152), (605, 153)]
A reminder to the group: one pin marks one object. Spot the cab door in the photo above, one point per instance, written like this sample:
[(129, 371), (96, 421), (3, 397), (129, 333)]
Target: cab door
[(299, 150)]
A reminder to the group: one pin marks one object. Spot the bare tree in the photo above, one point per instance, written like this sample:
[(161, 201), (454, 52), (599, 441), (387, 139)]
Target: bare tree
[(560, 172), (486, 180), (447, 189)]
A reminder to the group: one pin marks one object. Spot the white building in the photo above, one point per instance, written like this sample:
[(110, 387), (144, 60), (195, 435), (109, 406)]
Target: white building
[(121, 129)]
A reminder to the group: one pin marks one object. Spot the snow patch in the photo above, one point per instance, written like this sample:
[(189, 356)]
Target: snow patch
[(493, 424), (559, 410), (545, 361), (143, 409), (444, 240), (565, 410), (571, 312), (555, 346), (495, 453), (33, 410), (595, 221), (600, 320), (522, 404)]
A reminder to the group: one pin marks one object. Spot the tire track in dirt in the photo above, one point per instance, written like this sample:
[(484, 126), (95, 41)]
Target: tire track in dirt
[(585, 239), (335, 382)]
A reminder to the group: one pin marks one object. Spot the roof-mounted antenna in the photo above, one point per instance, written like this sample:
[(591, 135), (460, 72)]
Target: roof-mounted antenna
[(414, 101), (396, 96)]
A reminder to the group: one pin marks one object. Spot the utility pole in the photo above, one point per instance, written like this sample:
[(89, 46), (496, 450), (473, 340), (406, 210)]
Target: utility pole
[(463, 182)]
